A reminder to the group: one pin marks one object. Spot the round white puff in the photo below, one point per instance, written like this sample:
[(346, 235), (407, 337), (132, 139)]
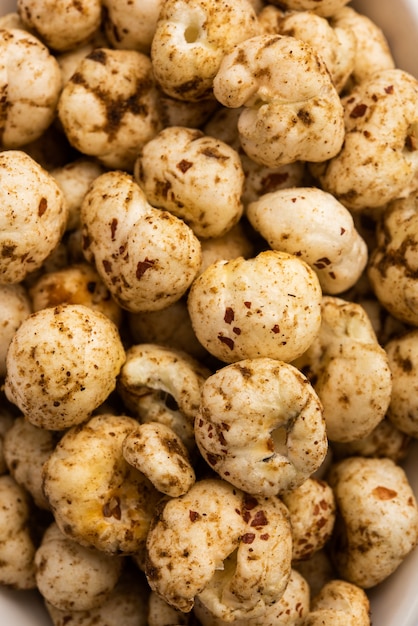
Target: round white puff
[(259, 179), (74, 179), (26, 448), (268, 305), (403, 362), (190, 40), (109, 107), (235, 243), (62, 364), (12, 20), (130, 24), (68, 61), (72, 577), (160, 613), (7, 419), (349, 371), (146, 257), (97, 498), (292, 111), (312, 225), (317, 570), (378, 162), (62, 24), (372, 52), (325, 8), (260, 426), (339, 603), (185, 113), (33, 217), (218, 544), (386, 440), (194, 176), (169, 327), (126, 604), (312, 515), (17, 550), (31, 79), (75, 284), (377, 526), (15, 306), (392, 265)]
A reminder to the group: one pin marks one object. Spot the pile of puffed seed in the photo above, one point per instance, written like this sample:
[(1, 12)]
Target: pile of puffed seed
[(208, 310)]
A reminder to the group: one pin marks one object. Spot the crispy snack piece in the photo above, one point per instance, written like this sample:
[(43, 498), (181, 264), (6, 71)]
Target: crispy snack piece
[(218, 544), (260, 426)]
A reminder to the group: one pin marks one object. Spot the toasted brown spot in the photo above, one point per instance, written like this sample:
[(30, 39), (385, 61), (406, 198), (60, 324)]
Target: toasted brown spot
[(384, 493), (42, 207)]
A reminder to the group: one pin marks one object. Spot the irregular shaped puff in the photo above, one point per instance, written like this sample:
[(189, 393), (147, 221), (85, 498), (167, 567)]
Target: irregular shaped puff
[(334, 41), (130, 25), (33, 217), (196, 177), (62, 364), (377, 524), (312, 225), (403, 362), (372, 52), (126, 604), (269, 305), (26, 448), (292, 111), (260, 426), (15, 307), (75, 284), (392, 265), (61, 25), (290, 610), (379, 160), (145, 256), (312, 515), (162, 614), (386, 440), (12, 20), (216, 543), (235, 243), (7, 419), (170, 327), (185, 113), (156, 451), (163, 385), (97, 498), (349, 371), (17, 549), (191, 38), (71, 576), (317, 570), (325, 8), (31, 81), (339, 603), (109, 106)]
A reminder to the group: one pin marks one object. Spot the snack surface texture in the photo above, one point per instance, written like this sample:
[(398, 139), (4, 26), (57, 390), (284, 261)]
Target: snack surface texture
[(208, 313)]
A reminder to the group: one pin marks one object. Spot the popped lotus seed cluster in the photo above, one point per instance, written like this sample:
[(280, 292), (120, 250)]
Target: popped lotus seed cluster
[(208, 311)]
